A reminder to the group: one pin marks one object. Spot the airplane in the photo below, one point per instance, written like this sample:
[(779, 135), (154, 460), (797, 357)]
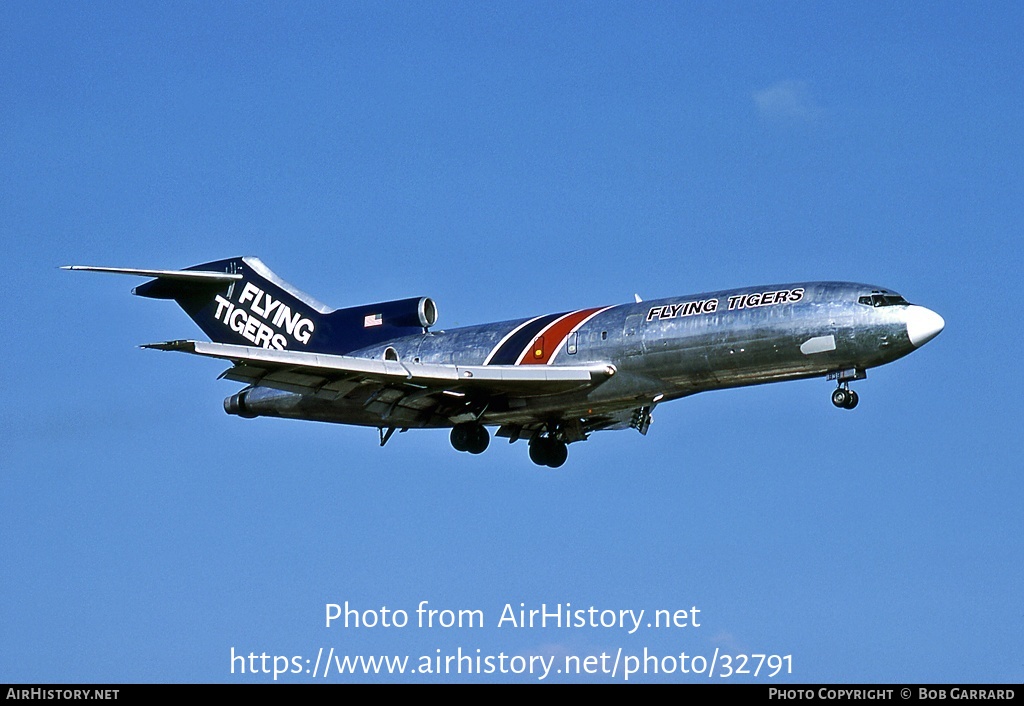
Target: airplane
[(551, 380)]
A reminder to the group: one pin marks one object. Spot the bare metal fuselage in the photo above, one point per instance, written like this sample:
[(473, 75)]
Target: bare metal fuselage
[(661, 350)]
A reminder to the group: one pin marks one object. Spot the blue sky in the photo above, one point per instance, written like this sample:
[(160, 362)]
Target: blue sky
[(509, 160)]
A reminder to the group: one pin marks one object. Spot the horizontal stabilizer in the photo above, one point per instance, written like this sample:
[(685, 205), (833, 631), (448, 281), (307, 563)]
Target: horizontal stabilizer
[(176, 275)]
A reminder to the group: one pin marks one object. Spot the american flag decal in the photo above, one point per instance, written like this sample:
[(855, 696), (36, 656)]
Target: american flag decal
[(372, 320)]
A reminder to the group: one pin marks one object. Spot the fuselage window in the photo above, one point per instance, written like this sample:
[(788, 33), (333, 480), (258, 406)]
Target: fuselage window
[(882, 300)]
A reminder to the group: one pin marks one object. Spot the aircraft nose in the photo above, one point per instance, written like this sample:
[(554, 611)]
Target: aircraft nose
[(923, 325)]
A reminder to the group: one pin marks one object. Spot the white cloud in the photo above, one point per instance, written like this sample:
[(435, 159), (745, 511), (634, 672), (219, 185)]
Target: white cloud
[(787, 100)]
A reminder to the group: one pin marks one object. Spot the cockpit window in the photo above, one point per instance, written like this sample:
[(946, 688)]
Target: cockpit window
[(882, 299)]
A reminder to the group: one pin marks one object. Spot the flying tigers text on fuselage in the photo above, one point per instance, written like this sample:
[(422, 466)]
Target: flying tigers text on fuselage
[(739, 301)]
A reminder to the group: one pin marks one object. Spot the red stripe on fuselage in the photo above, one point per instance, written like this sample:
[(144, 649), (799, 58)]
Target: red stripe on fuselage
[(554, 336)]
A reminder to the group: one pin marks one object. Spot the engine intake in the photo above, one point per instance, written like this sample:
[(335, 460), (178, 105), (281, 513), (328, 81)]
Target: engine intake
[(421, 312)]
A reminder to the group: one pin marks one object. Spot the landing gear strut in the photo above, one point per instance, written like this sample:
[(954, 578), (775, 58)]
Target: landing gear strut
[(470, 437)]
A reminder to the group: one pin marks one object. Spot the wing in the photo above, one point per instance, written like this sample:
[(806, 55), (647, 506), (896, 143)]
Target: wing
[(396, 391)]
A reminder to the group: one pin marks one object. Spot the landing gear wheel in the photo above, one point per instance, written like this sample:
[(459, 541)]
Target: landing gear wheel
[(479, 441), (557, 454), (462, 436), (545, 451), (853, 399), (539, 451), (841, 397)]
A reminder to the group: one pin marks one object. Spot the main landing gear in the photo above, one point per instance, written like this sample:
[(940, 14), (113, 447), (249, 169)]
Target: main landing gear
[(545, 449), (548, 451), (470, 437)]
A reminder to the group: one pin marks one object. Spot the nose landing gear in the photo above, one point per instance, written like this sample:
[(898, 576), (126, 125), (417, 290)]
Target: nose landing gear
[(844, 397)]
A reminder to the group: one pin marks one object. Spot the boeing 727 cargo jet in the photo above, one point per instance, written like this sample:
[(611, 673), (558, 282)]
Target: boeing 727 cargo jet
[(552, 379)]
